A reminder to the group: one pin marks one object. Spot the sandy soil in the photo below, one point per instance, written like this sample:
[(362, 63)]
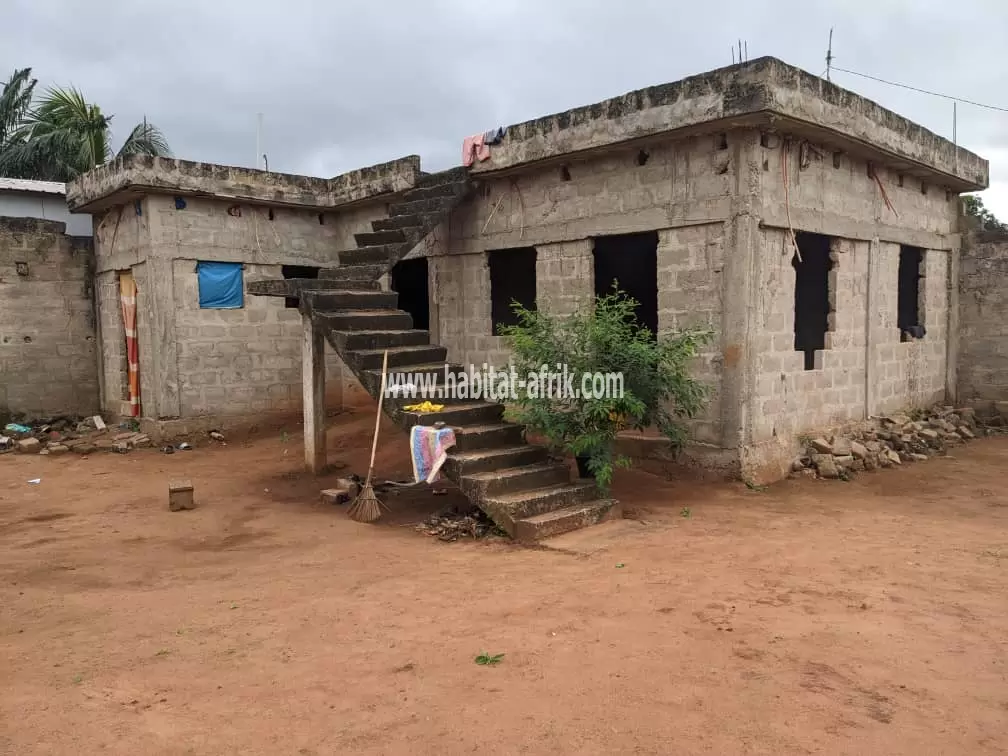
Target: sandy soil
[(813, 617)]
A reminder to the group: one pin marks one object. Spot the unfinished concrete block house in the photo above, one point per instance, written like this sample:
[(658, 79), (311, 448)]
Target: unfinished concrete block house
[(815, 231)]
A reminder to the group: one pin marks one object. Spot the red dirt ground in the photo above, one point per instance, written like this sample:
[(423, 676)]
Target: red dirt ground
[(862, 617)]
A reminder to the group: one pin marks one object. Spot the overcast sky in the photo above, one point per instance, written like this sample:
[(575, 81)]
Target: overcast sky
[(348, 83)]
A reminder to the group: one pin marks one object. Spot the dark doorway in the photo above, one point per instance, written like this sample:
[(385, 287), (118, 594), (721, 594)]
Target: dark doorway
[(631, 262), (812, 307), (409, 280), (296, 271), (908, 293), (512, 279)]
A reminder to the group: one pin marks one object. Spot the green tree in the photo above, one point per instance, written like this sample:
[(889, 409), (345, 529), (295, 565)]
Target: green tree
[(974, 208), (15, 104), (63, 136)]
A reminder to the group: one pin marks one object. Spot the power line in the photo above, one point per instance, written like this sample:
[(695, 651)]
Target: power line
[(922, 91)]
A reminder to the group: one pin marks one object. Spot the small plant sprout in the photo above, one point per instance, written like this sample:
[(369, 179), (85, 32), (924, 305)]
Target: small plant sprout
[(488, 660), (685, 513)]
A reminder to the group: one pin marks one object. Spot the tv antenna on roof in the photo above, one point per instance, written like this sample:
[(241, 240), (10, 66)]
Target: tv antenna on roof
[(829, 54), (743, 52)]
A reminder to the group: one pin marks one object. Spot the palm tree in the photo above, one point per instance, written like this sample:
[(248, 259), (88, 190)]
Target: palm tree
[(15, 104), (64, 136)]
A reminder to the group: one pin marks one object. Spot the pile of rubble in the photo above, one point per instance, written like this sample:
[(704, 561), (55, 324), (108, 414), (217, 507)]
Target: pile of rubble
[(889, 441), (65, 434)]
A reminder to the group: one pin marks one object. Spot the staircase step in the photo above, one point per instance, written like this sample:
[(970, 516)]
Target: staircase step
[(433, 379), (331, 301), (363, 320), (358, 340), (395, 236), (421, 220), (450, 189), (450, 176), (463, 413), (484, 460), (564, 520), (377, 254), (292, 287), (398, 357), (479, 486), (473, 437), (507, 509), (421, 207), (354, 273)]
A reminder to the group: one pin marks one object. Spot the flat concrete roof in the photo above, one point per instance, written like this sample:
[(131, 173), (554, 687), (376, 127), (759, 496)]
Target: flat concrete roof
[(765, 93), (125, 179)]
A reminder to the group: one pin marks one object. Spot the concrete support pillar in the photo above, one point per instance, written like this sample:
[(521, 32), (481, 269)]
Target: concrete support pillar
[(741, 295), (313, 377), (160, 299)]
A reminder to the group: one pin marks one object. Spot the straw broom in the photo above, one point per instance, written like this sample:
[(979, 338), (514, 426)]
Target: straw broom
[(366, 507)]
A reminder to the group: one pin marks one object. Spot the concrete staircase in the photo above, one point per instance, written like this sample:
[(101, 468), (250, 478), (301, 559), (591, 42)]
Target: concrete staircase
[(524, 491)]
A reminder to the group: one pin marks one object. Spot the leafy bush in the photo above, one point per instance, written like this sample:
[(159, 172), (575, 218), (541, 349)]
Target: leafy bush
[(658, 390)]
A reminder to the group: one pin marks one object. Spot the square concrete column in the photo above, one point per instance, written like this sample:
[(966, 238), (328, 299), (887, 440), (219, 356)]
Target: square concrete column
[(313, 401)]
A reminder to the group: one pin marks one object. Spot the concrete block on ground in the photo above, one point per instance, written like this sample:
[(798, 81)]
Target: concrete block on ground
[(29, 446), (334, 496), (180, 495)]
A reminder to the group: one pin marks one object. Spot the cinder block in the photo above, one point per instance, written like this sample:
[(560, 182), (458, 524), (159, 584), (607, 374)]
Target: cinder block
[(180, 495)]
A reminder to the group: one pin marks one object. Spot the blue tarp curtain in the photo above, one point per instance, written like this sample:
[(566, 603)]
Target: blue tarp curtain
[(220, 285)]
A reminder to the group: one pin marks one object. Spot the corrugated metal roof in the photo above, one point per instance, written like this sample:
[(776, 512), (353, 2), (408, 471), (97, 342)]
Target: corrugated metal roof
[(27, 185)]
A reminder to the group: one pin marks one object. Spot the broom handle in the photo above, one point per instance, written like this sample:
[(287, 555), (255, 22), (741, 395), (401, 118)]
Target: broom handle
[(381, 394)]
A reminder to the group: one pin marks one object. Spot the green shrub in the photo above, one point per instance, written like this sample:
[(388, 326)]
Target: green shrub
[(658, 390)]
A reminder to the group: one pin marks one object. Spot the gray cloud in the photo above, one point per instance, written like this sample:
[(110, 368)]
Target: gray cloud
[(348, 83)]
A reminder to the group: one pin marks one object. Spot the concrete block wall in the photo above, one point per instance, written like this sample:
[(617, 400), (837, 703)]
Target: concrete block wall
[(983, 320), (206, 362), (690, 264), (679, 182), (242, 361), (48, 359), (463, 310), (565, 276), (114, 377), (789, 399), (833, 193), (911, 373), (864, 369)]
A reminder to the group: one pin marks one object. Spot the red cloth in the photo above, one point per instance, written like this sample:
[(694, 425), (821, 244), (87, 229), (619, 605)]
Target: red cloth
[(475, 148), (128, 301)]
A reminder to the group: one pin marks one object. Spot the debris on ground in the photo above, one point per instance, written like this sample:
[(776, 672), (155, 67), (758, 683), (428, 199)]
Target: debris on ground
[(335, 496), (56, 436), (892, 440), (451, 524)]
